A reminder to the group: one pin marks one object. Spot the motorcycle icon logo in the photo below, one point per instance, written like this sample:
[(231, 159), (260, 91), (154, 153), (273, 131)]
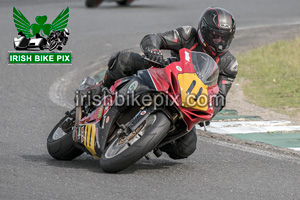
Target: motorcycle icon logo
[(47, 36)]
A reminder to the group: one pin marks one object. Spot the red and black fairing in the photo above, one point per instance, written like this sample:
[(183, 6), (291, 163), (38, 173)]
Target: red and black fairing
[(166, 80), (203, 71), (104, 117)]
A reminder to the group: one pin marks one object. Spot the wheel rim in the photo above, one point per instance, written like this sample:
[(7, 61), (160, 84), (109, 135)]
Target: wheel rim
[(59, 133), (120, 144)]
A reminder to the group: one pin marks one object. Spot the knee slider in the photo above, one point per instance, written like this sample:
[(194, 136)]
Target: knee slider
[(112, 61), (127, 61)]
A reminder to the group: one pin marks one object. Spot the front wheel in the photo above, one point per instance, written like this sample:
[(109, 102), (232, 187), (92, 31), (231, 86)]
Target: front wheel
[(53, 44), (41, 45), (60, 144), (126, 150)]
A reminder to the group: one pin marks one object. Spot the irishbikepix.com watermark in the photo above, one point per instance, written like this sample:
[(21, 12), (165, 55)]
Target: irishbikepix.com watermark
[(191, 101), (39, 58)]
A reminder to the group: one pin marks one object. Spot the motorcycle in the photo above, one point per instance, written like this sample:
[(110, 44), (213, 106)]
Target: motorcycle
[(23, 43), (96, 3), (56, 39), (140, 114)]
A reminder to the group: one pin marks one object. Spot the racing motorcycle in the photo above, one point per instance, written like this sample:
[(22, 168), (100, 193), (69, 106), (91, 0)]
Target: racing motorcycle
[(139, 114), (96, 3), (57, 38)]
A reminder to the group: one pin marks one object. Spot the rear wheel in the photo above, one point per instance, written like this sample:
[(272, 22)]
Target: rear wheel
[(126, 150), (124, 3), (92, 3), (60, 144)]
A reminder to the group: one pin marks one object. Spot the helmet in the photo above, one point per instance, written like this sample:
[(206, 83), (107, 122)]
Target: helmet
[(67, 31), (216, 28)]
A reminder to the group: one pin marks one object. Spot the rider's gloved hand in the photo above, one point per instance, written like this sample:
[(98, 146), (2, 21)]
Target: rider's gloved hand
[(154, 54), (205, 123)]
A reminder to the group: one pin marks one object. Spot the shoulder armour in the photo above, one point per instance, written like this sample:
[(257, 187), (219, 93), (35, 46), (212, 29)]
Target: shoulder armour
[(186, 32)]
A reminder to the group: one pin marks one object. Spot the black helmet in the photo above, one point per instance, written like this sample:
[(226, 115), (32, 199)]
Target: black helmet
[(216, 28)]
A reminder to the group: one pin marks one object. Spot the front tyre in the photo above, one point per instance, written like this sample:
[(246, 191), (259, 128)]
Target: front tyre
[(41, 46), (53, 44), (60, 144), (126, 150)]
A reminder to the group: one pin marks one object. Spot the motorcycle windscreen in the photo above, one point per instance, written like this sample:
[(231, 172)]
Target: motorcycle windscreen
[(205, 67), (86, 83), (194, 86)]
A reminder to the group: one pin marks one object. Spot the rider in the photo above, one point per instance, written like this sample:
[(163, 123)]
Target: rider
[(62, 36), (216, 29)]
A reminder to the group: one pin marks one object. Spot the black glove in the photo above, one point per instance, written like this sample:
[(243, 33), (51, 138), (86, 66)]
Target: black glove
[(154, 54), (205, 123)]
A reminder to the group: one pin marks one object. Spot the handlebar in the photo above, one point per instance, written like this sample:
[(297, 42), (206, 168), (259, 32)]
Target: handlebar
[(160, 65)]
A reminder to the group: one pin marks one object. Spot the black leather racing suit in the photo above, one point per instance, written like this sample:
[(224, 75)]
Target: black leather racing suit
[(126, 63)]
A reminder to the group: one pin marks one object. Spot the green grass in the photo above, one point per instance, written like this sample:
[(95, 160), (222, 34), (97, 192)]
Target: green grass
[(271, 76)]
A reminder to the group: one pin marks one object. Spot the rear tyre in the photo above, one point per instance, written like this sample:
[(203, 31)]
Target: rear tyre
[(124, 3), (92, 3), (60, 144), (126, 150)]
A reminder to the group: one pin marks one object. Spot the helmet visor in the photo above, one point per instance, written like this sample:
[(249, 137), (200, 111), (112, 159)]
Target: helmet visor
[(220, 40)]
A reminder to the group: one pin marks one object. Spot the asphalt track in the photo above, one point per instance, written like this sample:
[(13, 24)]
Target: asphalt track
[(33, 96)]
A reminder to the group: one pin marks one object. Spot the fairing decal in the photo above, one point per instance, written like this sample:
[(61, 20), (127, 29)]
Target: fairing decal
[(86, 136)]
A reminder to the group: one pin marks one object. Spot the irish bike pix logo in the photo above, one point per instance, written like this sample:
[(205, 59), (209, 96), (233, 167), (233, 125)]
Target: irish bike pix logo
[(40, 36)]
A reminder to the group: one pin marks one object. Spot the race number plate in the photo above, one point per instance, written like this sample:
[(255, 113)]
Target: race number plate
[(193, 92)]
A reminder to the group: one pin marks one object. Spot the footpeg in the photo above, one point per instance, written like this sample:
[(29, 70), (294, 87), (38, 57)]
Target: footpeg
[(148, 156), (157, 152)]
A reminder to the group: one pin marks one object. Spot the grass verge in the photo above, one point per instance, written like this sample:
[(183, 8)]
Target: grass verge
[(271, 76)]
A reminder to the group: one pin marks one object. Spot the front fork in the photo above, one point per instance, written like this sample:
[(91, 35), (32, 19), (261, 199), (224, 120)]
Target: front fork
[(78, 115), (78, 109)]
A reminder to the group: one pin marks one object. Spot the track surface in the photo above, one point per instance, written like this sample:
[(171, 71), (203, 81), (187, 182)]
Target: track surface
[(215, 171)]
